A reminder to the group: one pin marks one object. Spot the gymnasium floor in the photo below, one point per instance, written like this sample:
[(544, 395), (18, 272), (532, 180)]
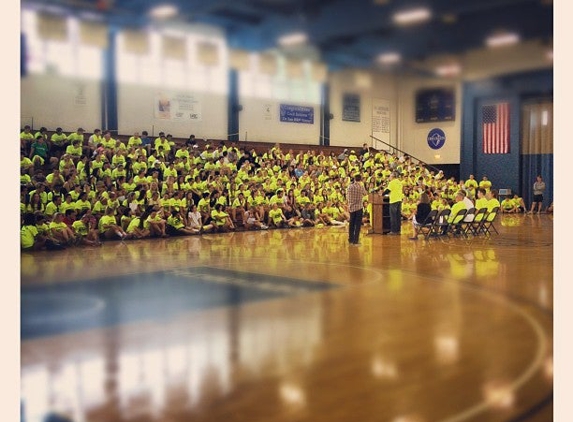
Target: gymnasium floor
[(292, 325)]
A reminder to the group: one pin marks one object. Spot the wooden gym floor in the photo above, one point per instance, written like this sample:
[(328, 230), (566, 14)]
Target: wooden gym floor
[(292, 325)]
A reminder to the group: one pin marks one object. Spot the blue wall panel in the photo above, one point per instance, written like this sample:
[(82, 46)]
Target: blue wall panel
[(504, 170)]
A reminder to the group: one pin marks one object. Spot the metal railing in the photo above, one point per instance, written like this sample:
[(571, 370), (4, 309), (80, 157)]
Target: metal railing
[(409, 155)]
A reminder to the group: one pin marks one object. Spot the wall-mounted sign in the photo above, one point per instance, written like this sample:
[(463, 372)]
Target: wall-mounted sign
[(351, 107), (436, 138), (296, 114)]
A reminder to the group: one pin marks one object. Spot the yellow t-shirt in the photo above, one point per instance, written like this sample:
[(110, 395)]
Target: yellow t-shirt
[(276, 215), (27, 236), (79, 227), (396, 193), (104, 221)]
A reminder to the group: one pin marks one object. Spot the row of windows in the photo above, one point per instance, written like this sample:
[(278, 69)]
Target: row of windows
[(72, 58)]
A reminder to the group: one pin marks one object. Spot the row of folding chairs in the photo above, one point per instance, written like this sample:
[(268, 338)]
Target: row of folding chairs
[(467, 222)]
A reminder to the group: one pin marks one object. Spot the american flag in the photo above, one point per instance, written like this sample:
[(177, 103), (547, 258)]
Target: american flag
[(495, 125)]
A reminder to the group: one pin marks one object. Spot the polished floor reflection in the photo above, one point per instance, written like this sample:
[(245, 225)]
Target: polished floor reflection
[(449, 329)]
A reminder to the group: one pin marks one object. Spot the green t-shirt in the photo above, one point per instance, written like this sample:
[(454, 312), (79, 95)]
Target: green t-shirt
[(40, 149)]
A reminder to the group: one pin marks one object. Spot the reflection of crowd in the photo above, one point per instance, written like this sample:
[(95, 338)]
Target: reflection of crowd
[(75, 191)]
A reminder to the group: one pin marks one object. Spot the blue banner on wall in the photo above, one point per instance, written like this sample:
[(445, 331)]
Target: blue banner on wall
[(296, 114), (351, 107)]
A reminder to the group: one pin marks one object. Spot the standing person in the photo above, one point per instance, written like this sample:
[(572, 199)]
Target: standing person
[(354, 197), (395, 189), (538, 189)]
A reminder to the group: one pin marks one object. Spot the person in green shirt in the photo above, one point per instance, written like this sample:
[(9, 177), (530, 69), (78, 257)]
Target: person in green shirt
[(39, 151)]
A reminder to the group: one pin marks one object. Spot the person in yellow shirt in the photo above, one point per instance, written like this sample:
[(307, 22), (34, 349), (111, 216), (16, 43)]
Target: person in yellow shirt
[(519, 203), (492, 201), (276, 217), (221, 219), (458, 205), (161, 141), (75, 150), (58, 142), (78, 135), (508, 206), (82, 203), (485, 183), (118, 172), (135, 140), (93, 141), (396, 194), (30, 237), (26, 139), (176, 226), (108, 227), (60, 230), (53, 207), (108, 144), (85, 231), (156, 224), (481, 201)]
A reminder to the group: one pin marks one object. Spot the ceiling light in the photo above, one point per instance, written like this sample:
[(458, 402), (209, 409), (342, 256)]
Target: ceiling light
[(389, 58), (294, 38), (408, 17), (502, 39), (163, 11), (451, 69)]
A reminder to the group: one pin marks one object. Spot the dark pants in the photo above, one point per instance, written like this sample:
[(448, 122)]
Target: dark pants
[(395, 212), (354, 225)]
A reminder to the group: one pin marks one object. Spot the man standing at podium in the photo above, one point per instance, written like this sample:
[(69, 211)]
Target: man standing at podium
[(355, 197), (395, 189)]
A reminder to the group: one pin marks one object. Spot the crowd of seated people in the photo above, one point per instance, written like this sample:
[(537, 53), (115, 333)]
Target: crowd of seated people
[(82, 192)]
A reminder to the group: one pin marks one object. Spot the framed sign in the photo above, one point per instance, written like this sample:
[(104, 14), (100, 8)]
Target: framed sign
[(351, 107), (435, 105)]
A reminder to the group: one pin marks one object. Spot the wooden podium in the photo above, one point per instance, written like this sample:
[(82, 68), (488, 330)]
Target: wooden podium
[(380, 213)]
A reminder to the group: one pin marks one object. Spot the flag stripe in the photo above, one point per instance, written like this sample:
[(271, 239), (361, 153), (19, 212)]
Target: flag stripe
[(495, 125)]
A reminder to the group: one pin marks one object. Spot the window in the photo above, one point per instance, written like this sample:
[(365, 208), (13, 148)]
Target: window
[(69, 58)]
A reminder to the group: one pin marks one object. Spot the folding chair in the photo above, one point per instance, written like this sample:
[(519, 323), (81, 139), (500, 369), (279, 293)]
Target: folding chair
[(426, 225), (475, 226), (488, 222), (456, 225), (439, 224), (468, 220)]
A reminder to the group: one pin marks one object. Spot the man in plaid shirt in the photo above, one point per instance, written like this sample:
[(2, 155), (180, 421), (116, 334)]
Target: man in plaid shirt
[(355, 197)]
